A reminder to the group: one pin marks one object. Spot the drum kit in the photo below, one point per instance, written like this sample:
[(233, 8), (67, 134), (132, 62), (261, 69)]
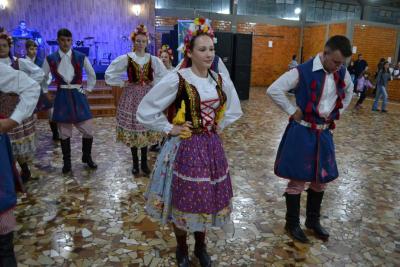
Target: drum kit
[(87, 45)]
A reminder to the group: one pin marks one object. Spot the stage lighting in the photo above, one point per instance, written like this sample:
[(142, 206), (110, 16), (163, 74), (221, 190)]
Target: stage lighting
[(136, 9), (3, 4)]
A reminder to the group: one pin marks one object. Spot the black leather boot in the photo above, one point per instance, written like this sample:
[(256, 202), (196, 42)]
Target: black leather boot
[(25, 172), (314, 200), (7, 256), (293, 218), (87, 152), (182, 258), (54, 130), (66, 151), (135, 159), (200, 249), (143, 163)]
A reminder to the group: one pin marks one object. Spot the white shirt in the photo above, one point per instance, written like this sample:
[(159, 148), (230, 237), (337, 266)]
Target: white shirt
[(50, 77), (67, 72), (27, 66), (221, 67), (162, 95), (14, 81), (290, 79), (119, 66)]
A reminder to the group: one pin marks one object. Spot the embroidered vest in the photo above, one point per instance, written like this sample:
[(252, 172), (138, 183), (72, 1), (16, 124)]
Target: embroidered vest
[(77, 60), (309, 92), (187, 105), (139, 75)]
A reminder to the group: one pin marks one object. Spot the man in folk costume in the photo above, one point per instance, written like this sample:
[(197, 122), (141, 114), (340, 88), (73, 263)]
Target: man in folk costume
[(17, 82), (306, 152), (71, 106)]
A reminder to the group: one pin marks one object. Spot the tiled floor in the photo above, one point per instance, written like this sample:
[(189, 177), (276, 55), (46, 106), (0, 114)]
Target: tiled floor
[(97, 218)]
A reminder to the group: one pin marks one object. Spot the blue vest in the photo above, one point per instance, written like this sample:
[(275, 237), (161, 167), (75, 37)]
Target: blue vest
[(308, 154), (8, 196), (39, 61), (70, 105)]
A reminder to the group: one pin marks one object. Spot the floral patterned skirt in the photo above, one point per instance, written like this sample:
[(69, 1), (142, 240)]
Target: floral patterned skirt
[(129, 130), (190, 185)]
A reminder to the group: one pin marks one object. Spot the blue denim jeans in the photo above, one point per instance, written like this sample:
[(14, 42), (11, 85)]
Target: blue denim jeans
[(380, 92)]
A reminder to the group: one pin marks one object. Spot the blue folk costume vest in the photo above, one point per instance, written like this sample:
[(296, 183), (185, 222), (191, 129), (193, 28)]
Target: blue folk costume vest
[(70, 105), (308, 154), (43, 103), (39, 61)]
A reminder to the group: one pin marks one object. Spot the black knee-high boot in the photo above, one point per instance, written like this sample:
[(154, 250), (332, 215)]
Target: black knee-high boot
[(314, 200), (66, 151), (135, 159), (293, 218), (7, 256), (143, 163), (182, 253), (87, 152), (25, 172), (200, 250), (54, 130)]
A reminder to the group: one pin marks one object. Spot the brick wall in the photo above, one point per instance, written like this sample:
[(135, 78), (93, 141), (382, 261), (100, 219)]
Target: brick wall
[(374, 43), (269, 63), (337, 29), (313, 40)]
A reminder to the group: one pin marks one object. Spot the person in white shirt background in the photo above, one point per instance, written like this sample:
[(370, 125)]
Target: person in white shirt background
[(144, 70), (166, 56), (45, 102), (323, 90), (17, 82), (191, 185), (23, 137), (71, 107)]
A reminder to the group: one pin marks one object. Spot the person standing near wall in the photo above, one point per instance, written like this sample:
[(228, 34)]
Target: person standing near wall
[(384, 76)]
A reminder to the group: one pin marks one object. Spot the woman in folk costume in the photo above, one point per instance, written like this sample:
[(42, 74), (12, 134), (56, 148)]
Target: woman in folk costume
[(191, 185), (143, 71), (44, 103), (16, 82), (23, 137), (166, 55)]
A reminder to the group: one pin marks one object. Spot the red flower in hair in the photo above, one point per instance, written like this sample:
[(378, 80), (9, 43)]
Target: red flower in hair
[(202, 20), (314, 85)]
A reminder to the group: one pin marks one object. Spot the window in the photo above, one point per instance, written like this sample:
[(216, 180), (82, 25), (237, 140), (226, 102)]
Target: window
[(217, 6)]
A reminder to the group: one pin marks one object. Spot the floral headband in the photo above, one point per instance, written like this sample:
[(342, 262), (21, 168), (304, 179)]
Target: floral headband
[(165, 48), (197, 27), (141, 29)]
